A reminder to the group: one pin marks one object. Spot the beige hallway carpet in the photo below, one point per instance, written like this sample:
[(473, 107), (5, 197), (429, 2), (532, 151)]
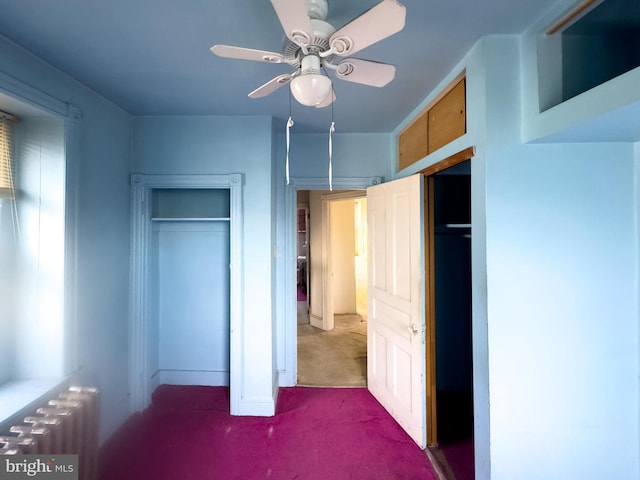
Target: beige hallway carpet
[(336, 358)]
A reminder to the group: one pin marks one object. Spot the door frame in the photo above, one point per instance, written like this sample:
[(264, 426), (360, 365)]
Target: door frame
[(288, 375), (305, 207), (430, 311), (430, 292), (327, 279), (141, 383)]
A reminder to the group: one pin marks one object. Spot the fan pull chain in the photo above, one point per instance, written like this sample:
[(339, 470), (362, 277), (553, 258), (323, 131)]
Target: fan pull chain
[(331, 130), (286, 168)]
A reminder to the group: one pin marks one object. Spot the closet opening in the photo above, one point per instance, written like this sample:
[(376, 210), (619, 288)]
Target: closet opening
[(189, 286), (186, 284), (451, 217)]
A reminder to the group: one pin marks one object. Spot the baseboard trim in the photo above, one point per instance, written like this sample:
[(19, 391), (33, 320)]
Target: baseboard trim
[(437, 467), (256, 407), (316, 321), (187, 377)]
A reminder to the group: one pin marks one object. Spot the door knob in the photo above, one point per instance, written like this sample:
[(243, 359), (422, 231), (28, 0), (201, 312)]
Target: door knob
[(413, 329)]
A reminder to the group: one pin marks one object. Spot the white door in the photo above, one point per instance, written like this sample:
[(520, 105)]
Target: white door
[(396, 328)]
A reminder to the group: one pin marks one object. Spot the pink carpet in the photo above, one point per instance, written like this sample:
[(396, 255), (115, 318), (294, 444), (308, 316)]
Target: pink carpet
[(302, 295), (317, 433)]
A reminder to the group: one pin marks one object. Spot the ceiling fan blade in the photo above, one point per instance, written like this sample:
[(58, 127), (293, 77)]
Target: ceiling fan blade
[(246, 54), (272, 85), (366, 72), (377, 23), (327, 101), (294, 20)]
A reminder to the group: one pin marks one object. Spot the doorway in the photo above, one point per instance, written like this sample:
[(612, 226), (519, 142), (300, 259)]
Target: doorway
[(302, 257), (189, 286), (450, 193), (159, 204), (331, 288)]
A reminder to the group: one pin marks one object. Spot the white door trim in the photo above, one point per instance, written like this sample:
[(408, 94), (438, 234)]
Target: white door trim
[(141, 384), (288, 371), (327, 274), (72, 117)]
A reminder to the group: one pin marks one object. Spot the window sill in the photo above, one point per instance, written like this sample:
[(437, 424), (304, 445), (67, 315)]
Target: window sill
[(22, 397)]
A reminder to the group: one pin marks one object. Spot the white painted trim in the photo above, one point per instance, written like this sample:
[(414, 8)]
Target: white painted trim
[(315, 321), (348, 195), (191, 377), (327, 271), (262, 406), (71, 115), (257, 407), (341, 183), (139, 388), (20, 90), (155, 381), (327, 263), (141, 380), (288, 376), (72, 187)]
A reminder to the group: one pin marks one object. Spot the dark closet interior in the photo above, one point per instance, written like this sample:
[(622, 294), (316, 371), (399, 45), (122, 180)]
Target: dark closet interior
[(454, 367)]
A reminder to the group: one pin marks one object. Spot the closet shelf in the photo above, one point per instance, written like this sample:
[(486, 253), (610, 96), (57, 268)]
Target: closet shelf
[(455, 229), (181, 219), (456, 225)]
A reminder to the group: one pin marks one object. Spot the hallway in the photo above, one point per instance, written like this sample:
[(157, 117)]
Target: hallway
[(336, 358)]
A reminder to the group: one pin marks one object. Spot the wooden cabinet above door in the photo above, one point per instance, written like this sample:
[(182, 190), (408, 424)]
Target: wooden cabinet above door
[(444, 120)]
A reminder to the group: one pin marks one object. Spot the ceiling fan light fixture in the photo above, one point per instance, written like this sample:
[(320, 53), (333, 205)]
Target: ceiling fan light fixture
[(310, 88)]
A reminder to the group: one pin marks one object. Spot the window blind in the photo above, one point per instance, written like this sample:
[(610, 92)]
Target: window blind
[(6, 158)]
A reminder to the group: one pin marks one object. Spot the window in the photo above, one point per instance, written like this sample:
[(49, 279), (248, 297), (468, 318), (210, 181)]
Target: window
[(32, 238), (6, 243), (6, 155)]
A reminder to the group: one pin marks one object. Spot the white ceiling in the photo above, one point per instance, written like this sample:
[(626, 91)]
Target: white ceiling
[(151, 57)]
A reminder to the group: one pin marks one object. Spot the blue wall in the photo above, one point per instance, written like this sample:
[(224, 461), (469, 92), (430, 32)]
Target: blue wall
[(354, 154), (563, 312), (224, 145), (100, 149), (555, 280), (562, 266)]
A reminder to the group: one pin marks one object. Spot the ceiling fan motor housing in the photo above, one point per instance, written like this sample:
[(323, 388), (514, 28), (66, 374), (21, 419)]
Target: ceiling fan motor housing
[(322, 31)]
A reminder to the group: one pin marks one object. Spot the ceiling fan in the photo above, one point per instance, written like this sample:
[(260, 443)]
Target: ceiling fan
[(311, 43)]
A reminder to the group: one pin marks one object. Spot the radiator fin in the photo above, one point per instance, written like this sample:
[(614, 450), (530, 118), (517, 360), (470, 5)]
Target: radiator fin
[(67, 424)]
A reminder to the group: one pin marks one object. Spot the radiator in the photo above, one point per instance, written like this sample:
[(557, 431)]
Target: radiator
[(67, 424)]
